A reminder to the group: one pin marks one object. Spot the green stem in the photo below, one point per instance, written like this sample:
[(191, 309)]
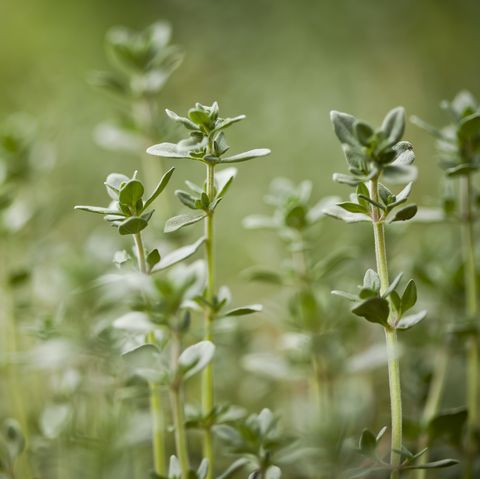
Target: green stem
[(156, 407), (471, 309), (318, 382), (207, 375), (432, 406), (158, 429), (142, 265), (176, 397), (390, 337)]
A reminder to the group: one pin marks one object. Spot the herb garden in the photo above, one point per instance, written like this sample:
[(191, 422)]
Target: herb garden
[(199, 334)]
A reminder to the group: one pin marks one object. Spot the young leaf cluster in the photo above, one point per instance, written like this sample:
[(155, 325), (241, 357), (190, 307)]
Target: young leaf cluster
[(199, 201), (368, 447), (260, 439), (218, 305), (459, 142), (143, 61), (388, 308), (206, 142), (371, 152), (293, 212), (129, 210), (387, 208)]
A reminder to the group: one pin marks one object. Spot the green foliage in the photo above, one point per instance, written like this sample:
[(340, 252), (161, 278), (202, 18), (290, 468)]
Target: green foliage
[(258, 438), (459, 142), (142, 62), (369, 446), (195, 358), (206, 142), (388, 308), (12, 444), (127, 212), (387, 208), (293, 211), (370, 152)]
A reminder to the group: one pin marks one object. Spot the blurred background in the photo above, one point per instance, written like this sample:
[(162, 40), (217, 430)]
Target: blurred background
[(283, 64)]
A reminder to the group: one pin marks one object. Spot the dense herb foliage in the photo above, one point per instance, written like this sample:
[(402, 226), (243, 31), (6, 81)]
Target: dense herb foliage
[(341, 354)]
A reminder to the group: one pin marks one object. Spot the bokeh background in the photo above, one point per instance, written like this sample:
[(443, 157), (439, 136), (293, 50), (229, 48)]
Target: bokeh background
[(283, 64)]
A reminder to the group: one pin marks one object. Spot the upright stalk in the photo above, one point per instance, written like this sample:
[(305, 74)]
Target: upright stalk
[(390, 337), (142, 265), (207, 375), (471, 309), (156, 407), (318, 382), (176, 395), (432, 406)]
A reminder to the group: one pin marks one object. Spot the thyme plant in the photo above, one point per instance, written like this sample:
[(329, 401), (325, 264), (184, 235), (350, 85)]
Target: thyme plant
[(206, 144), (24, 156), (129, 212), (141, 65), (293, 221), (374, 156), (443, 279), (458, 145)]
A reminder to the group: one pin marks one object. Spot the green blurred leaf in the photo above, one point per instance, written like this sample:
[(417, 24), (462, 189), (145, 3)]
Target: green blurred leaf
[(375, 310), (146, 362), (408, 322), (195, 358), (244, 310), (393, 285), (159, 188), (343, 125), (168, 150), (337, 212), (247, 155), (178, 255), (189, 124), (363, 132), (409, 297), (153, 258), (394, 125), (353, 207), (233, 468), (433, 465), (132, 225), (405, 213), (187, 199), (131, 192), (367, 443), (99, 210), (449, 424), (177, 222), (469, 126)]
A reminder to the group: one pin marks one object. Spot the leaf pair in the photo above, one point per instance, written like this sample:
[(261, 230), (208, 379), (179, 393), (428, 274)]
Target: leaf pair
[(198, 200), (387, 308), (221, 301)]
